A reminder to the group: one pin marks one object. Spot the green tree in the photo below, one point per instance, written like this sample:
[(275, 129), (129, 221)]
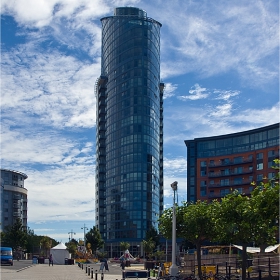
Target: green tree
[(15, 236), (124, 246), (194, 221), (45, 244), (153, 234), (265, 204), (149, 246), (235, 223), (72, 246), (94, 238)]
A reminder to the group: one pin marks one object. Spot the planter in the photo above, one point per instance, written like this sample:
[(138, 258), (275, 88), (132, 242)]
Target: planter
[(149, 265)]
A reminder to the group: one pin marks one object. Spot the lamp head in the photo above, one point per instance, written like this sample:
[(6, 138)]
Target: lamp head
[(174, 186)]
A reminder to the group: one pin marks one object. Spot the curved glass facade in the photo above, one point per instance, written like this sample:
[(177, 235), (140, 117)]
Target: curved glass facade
[(129, 169)]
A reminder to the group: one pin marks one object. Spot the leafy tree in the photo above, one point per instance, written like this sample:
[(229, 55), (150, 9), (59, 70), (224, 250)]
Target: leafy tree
[(15, 236), (265, 203), (72, 246), (46, 244), (94, 238), (124, 246), (153, 234), (149, 246), (194, 221)]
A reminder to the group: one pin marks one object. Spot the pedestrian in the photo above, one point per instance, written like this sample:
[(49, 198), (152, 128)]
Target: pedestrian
[(122, 265), (106, 264), (51, 260)]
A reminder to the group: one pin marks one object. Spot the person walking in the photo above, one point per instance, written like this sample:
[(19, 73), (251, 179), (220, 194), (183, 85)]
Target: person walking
[(51, 260)]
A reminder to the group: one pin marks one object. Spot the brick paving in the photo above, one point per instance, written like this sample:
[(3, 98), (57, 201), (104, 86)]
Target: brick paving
[(62, 272)]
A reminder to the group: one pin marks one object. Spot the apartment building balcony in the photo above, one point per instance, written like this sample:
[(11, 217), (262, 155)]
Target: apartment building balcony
[(221, 163), (231, 184), (219, 195), (230, 173)]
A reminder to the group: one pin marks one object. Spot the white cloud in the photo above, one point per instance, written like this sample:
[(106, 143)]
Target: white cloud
[(169, 90), (58, 89), (196, 92), (218, 37), (61, 194), (226, 94)]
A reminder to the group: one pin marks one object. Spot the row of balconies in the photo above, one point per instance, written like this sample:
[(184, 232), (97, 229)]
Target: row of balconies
[(230, 173), (230, 162), (218, 195), (230, 184)]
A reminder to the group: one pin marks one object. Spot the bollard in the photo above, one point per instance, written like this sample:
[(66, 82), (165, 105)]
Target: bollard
[(82, 266), (102, 276), (91, 273), (260, 275), (88, 271), (95, 274)]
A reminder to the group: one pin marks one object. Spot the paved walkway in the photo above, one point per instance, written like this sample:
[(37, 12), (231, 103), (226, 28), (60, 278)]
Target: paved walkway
[(60, 272)]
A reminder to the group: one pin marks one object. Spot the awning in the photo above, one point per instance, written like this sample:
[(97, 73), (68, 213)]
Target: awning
[(257, 249)]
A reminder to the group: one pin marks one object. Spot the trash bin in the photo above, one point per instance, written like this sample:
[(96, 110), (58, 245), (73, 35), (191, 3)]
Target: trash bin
[(41, 260), (66, 261), (70, 261), (34, 260)]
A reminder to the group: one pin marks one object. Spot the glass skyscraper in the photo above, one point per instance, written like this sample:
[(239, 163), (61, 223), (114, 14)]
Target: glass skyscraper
[(129, 126)]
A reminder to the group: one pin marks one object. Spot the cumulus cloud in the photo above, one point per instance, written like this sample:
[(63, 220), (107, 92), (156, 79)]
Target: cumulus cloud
[(169, 90), (196, 92)]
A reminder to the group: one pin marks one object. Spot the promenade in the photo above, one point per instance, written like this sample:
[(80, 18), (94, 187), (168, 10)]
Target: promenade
[(61, 272)]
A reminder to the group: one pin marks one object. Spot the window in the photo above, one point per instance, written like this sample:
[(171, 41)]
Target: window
[(260, 156), (224, 182), (225, 161), (237, 181), (203, 183), (203, 173), (237, 160), (260, 166), (203, 192), (259, 177), (203, 163), (271, 153)]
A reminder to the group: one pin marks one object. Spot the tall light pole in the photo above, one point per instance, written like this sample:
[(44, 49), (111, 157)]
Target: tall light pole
[(84, 228), (173, 270), (72, 232)]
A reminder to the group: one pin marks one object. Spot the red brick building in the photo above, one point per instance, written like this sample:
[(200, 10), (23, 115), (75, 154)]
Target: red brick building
[(219, 164)]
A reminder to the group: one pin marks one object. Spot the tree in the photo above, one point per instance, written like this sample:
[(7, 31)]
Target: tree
[(94, 238), (124, 246), (149, 246), (236, 221), (72, 246), (15, 236), (45, 244), (265, 202), (152, 233), (194, 221)]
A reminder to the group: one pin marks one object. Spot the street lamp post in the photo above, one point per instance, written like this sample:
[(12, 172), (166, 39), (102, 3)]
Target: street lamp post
[(84, 228), (71, 232), (173, 270)]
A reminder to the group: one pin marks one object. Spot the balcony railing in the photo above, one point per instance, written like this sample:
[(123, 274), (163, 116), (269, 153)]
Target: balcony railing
[(230, 173), (231, 162), (231, 183)]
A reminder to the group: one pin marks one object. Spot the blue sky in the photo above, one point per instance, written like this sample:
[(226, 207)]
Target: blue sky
[(219, 62)]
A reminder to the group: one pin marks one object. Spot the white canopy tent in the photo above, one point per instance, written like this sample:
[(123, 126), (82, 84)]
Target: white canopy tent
[(60, 253), (257, 249)]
